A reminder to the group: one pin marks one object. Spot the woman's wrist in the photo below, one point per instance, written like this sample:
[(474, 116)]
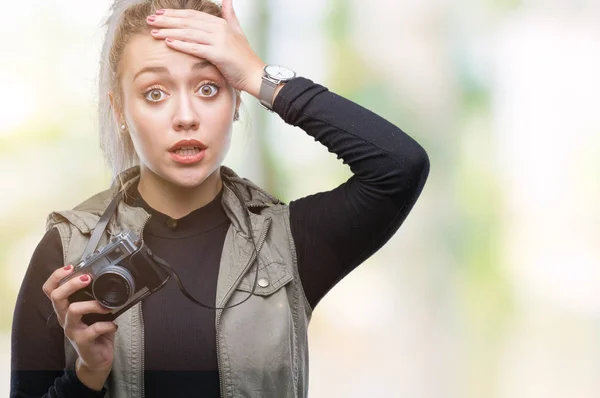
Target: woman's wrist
[(255, 82), (92, 379)]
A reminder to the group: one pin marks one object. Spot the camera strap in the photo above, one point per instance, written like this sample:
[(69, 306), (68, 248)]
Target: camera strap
[(101, 226), (103, 222), (92, 243)]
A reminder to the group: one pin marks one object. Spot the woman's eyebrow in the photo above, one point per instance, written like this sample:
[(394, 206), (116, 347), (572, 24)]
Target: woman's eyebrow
[(163, 70)]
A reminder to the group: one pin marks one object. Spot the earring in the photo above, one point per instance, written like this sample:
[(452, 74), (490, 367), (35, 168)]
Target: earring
[(123, 127)]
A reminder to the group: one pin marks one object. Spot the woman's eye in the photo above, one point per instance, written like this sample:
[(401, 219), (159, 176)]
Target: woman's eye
[(206, 91), (154, 95)]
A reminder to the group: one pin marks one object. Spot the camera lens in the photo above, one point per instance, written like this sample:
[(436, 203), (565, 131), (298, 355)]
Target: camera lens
[(113, 286)]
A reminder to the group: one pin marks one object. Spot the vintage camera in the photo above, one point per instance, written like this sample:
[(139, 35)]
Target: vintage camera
[(123, 273)]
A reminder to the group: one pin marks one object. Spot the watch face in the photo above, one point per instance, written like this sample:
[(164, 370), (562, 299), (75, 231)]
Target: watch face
[(280, 72)]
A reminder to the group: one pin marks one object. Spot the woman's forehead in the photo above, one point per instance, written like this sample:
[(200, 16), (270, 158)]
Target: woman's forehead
[(144, 55)]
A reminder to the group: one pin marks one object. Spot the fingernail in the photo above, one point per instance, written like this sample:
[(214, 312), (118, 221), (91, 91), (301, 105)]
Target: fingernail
[(160, 12), (84, 278), (151, 18), (68, 267), (169, 40), (154, 31)]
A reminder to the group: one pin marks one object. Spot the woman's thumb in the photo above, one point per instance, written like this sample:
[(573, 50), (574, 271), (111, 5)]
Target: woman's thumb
[(229, 14)]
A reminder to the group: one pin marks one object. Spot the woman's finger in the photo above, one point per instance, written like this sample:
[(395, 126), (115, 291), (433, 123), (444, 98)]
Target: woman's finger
[(84, 337), (189, 35), (196, 49), (187, 13), (77, 310), (53, 280), (60, 295), (190, 22), (229, 15)]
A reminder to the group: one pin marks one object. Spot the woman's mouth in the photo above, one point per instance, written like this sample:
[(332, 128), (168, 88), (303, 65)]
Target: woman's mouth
[(187, 151), (188, 155)]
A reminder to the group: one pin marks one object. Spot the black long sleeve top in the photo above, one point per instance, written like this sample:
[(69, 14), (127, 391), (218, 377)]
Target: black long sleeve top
[(333, 231)]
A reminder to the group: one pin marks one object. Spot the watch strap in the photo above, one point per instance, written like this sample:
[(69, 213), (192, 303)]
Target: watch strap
[(267, 91)]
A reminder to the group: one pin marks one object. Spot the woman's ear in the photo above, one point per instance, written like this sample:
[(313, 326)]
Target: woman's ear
[(115, 109), (238, 102)]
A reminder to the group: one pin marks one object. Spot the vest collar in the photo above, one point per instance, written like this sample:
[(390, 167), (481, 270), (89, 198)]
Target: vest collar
[(86, 215)]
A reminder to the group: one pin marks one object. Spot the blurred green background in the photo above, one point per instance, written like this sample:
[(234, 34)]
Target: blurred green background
[(490, 287)]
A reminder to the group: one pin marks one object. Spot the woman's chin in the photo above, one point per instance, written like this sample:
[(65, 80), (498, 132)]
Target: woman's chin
[(188, 178), (183, 177)]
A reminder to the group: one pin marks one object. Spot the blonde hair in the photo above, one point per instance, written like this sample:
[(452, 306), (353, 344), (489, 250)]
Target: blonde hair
[(127, 18)]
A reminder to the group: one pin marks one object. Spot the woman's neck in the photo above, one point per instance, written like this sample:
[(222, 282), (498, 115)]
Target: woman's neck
[(176, 201)]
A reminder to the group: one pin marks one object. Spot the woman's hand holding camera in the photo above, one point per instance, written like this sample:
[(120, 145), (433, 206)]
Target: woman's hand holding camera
[(218, 40), (95, 343)]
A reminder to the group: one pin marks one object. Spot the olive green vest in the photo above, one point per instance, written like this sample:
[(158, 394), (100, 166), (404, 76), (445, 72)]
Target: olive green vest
[(261, 344)]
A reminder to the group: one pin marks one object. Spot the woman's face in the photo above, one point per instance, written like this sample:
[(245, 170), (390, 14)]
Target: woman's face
[(169, 96)]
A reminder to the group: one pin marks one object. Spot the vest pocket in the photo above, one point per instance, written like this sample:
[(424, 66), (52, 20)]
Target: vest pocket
[(272, 275)]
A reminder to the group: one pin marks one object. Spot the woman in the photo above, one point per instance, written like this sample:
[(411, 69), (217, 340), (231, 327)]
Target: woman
[(173, 71)]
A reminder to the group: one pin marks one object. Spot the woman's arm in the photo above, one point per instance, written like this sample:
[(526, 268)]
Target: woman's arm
[(37, 350), (335, 231)]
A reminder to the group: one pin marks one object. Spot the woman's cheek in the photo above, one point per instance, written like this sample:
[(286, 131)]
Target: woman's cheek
[(143, 142)]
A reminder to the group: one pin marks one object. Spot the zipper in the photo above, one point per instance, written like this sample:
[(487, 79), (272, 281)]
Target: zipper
[(142, 348), (142, 351), (259, 205), (261, 241)]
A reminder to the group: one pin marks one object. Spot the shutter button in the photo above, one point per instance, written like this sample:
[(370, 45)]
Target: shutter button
[(263, 282), (171, 223)]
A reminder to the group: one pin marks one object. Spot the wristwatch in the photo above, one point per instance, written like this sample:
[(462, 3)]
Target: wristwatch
[(273, 76)]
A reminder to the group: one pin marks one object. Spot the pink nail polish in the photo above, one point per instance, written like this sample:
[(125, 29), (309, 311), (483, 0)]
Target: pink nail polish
[(151, 18), (68, 267), (160, 12), (84, 278)]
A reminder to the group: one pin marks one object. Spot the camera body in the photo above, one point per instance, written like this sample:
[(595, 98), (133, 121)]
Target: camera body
[(123, 273)]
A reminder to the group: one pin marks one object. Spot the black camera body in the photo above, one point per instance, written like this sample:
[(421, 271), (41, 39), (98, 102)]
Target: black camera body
[(123, 273)]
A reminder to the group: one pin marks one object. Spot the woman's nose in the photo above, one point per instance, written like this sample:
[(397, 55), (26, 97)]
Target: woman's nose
[(186, 117), (186, 123)]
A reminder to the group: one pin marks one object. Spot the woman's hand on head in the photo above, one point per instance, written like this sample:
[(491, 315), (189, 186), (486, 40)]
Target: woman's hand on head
[(218, 40)]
